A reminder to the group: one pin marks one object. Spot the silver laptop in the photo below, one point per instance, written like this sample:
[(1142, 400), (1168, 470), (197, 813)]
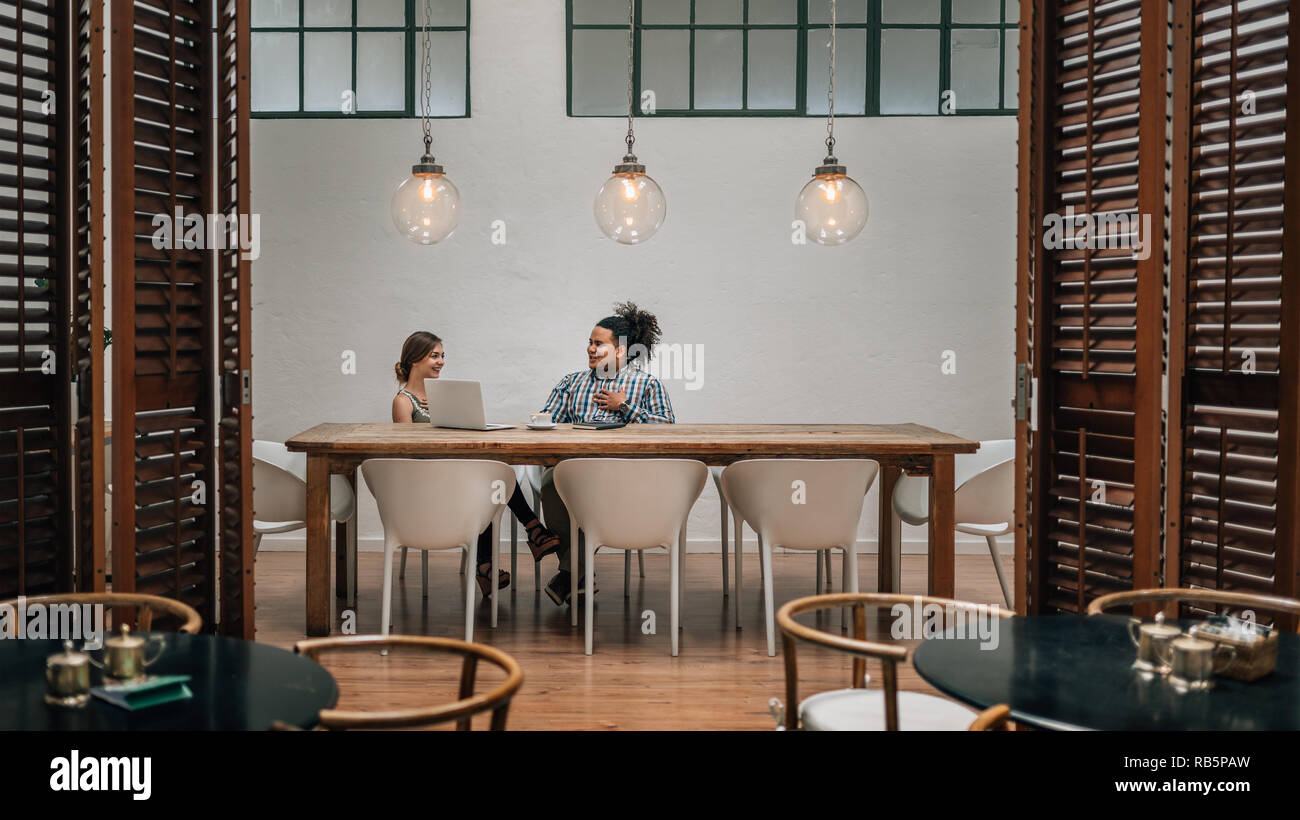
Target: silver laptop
[(457, 404)]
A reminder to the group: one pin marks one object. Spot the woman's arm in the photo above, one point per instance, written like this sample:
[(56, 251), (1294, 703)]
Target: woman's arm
[(401, 409)]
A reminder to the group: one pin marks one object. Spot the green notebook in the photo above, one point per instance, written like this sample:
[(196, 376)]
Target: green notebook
[(151, 691)]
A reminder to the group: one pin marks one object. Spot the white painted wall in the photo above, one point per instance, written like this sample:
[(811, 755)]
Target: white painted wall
[(790, 333)]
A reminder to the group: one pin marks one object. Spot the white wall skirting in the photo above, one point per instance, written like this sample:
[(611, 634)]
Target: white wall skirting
[(292, 542)]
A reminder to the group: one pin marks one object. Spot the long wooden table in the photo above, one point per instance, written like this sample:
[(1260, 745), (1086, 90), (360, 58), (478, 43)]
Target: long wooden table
[(340, 449)]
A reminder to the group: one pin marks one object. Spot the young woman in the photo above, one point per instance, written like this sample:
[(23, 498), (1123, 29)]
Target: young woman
[(612, 389), (423, 358)]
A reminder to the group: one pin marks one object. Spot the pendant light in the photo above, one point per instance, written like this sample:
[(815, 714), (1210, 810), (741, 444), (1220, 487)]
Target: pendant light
[(426, 206), (630, 206), (832, 206)]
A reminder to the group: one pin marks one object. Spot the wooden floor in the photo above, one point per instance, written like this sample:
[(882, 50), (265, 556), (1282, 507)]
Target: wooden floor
[(722, 679)]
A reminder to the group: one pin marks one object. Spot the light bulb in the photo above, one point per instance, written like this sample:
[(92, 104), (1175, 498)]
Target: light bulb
[(832, 207), (630, 206), (426, 206)]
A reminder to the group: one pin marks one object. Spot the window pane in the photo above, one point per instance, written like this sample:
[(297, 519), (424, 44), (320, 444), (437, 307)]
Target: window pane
[(275, 71), (326, 70), (718, 77), (381, 70), (976, 61), (1011, 83), (599, 71), (977, 11), (664, 12), (773, 66), (381, 13), (327, 12), (719, 11), (447, 55), (850, 70), (909, 71), (909, 11), (275, 13), (449, 12), (666, 68), (1013, 11), (595, 12), (773, 11), (846, 11)]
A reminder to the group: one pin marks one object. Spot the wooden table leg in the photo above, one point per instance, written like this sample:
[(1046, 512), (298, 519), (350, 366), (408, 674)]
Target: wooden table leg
[(318, 546), (890, 527), (942, 536)]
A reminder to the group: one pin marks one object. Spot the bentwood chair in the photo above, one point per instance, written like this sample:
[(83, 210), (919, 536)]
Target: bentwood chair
[(859, 708), (438, 504), (805, 504), (1206, 598), (146, 607), (993, 719), (984, 503), (629, 504), (280, 501), (496, 701)]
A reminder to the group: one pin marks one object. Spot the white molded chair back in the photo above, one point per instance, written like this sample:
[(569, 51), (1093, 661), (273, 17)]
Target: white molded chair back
[(437, 503), (767, 493), (912, 493), (987, 498), (630, 503), (280, 489)]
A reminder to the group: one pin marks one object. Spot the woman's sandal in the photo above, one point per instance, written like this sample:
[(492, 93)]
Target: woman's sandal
[(541, 541), (485, 580)]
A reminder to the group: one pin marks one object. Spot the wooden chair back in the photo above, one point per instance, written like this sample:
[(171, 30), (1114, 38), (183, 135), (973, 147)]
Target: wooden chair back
[(1287, 607), (145, 606), (497, 701), (993, 719), (857, 645)]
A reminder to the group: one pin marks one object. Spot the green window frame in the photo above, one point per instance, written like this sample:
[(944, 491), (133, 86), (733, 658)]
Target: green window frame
[(809, 101), (412, 31)]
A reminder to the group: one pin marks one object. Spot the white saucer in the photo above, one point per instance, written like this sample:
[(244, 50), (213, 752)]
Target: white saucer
[(532, 426)]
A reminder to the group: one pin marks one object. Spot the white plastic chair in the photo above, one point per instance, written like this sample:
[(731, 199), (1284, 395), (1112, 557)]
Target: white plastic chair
[(766, 493), (280, 501), (629, 504), (438, 504), (984, 503)]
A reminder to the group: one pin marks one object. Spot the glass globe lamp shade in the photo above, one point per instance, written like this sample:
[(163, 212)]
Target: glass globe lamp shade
[(832, 206), (426, 206), (630, 206)]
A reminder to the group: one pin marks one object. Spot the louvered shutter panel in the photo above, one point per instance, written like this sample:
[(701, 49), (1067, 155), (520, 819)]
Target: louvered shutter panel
[(36, 467), (163, 354), (1232, 251), (1091, 318), (88, 303), (234, 305)]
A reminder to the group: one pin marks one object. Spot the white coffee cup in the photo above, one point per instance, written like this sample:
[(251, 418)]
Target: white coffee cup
[(539, 418)]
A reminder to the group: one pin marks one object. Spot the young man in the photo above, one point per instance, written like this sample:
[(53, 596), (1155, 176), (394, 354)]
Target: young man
[(612, 389)]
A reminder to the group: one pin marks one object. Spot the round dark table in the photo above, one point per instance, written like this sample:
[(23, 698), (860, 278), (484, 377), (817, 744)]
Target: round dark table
[(237, 685), (1073, 672)]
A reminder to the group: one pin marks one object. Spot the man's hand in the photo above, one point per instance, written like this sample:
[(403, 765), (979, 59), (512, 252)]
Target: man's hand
[(610, 400)]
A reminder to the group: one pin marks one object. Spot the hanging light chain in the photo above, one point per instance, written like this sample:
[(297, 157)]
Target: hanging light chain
[(427, 72), (830, 92), (631, 92)]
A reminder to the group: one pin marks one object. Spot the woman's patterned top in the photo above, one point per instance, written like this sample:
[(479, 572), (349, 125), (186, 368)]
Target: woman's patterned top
[(419, 409)]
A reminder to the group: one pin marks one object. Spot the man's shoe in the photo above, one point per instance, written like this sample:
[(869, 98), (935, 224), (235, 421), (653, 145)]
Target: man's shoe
[(557, 589)]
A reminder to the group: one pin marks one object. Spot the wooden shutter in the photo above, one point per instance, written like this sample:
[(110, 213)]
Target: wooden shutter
[(1091, 319), (88, 304), (163, 304), (1235, 297), (234, 305), (36, 475)]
